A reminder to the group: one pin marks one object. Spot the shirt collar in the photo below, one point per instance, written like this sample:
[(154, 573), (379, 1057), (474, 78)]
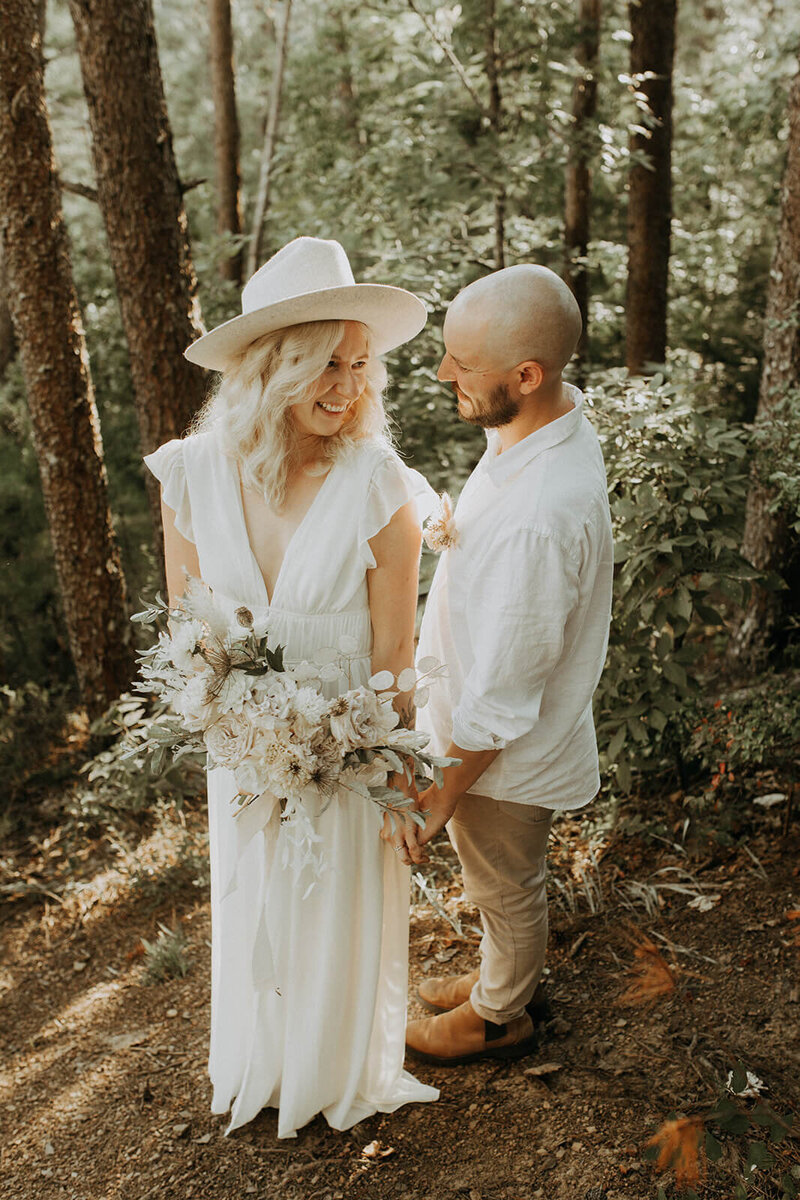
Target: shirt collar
[(501, 467)]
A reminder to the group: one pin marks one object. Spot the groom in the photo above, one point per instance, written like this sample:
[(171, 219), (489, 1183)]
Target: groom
[(519, 613)]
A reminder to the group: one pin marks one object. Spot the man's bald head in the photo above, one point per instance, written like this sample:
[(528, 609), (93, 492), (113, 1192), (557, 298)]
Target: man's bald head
[(520, 314)]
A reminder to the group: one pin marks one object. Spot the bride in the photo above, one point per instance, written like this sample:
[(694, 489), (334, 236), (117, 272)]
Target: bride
[(288, 498)]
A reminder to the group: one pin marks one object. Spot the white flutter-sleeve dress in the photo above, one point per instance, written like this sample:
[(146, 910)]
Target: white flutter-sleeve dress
[(308, 992)]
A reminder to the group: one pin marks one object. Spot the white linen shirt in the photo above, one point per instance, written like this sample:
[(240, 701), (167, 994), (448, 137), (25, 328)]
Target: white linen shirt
[(519, 613)]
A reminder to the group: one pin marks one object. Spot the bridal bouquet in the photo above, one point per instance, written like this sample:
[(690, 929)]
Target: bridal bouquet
[(223, 692)]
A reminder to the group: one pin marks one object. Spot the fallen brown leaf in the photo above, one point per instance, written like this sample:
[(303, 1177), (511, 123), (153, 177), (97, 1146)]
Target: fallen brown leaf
[(543, 1068), (650, 975), (679, 1149)]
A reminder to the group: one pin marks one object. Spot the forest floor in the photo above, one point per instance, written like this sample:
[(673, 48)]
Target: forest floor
[(105, 1094)]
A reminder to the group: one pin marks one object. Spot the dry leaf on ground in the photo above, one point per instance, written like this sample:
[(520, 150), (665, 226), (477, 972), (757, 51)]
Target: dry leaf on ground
[(650, 976), (679, 1148)]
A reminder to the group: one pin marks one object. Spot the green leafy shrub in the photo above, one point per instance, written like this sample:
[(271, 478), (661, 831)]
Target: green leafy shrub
[(120, 782), (777, 458), (749, 733), (166, 957), (677, 481), (31, 719)]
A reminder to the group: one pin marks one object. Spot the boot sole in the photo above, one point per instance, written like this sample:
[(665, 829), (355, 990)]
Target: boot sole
[(501, 1054)]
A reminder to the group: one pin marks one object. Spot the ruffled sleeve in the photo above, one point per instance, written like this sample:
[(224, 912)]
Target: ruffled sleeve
[(392, 484), (167, 464)]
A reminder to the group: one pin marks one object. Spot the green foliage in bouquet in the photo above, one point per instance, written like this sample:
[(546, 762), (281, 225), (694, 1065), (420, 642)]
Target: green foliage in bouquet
[(118, 784), (677, 477), (301, 733)]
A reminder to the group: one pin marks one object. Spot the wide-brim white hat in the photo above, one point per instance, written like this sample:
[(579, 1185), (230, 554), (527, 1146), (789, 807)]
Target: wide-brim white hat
[(310, 279)]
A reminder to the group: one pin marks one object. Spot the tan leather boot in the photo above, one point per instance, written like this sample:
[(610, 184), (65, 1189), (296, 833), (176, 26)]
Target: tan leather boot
[(461, 1036), (440, 995)]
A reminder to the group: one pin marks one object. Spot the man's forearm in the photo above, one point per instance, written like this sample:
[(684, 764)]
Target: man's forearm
[(439, 803), (459, 779)]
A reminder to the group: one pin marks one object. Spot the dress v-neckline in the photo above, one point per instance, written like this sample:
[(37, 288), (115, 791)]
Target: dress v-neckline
[(292, 540)]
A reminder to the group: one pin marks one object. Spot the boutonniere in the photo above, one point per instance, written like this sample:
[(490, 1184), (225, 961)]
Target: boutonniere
[(441, 533)]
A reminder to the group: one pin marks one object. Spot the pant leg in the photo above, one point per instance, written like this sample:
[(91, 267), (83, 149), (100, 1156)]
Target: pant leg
[(502, 849)]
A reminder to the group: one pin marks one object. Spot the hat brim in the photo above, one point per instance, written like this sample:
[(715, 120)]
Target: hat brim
[(392, 314)]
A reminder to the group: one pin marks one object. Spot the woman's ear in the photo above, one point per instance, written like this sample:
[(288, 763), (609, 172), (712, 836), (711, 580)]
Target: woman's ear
[(530, 375)]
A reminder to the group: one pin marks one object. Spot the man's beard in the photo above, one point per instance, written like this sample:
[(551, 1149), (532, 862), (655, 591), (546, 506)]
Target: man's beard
[(498, 410)]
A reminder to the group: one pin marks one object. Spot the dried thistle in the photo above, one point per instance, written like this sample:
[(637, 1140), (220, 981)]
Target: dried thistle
[(219, 659), (679, 1148), (650, 975)]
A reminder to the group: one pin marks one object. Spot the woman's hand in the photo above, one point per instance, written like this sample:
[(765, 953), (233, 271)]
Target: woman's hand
[(399, 832), (398, 826)]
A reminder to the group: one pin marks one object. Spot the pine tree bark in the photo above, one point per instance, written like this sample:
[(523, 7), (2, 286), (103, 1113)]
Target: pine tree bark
[(47, 321), (226, 133), (650, 186), (141, 200), (8, 342), (768, 542), (578, 191)]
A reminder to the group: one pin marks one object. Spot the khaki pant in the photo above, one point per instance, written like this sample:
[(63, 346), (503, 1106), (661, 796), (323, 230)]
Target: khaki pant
[(502, 848)]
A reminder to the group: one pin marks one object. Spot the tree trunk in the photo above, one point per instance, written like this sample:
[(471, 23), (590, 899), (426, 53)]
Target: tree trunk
[(226, 133), (578, 197), (142, 204), (47, 321), (496, 119), (768, 542), (270, 141), (650, 185), (348, 89), (8, 343)]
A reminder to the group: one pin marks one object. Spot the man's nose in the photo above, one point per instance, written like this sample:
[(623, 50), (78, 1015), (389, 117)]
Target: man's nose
[(446, 370), (347, 385)]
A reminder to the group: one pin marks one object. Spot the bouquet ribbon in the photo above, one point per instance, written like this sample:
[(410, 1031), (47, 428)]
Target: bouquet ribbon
[(251, 820)]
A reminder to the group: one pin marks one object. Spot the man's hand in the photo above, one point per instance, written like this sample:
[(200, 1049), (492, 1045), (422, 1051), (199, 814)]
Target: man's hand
[(438, 804), (439, 808)]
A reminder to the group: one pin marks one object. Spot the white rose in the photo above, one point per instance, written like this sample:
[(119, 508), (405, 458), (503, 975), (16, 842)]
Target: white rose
[(360, 719), (229, 740)]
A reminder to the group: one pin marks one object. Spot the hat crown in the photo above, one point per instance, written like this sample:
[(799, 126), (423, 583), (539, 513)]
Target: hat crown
[(305, 265)]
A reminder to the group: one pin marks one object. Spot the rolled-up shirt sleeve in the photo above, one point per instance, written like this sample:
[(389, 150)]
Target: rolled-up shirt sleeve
[(517, 610)]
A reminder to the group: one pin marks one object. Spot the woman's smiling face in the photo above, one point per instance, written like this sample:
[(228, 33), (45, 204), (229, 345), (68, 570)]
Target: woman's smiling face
[(342, 382)]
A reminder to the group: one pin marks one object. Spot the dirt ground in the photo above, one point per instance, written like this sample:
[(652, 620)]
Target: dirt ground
[(104, 1091)]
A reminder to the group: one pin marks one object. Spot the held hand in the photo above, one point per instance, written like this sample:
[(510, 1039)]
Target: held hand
[(400, 832), (398, 828)]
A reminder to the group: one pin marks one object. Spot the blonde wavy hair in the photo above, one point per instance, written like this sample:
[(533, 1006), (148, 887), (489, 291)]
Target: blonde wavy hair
[(250, 411)]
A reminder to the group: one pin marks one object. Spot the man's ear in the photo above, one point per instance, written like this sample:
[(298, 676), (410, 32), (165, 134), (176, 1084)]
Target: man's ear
[(530, 375)]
